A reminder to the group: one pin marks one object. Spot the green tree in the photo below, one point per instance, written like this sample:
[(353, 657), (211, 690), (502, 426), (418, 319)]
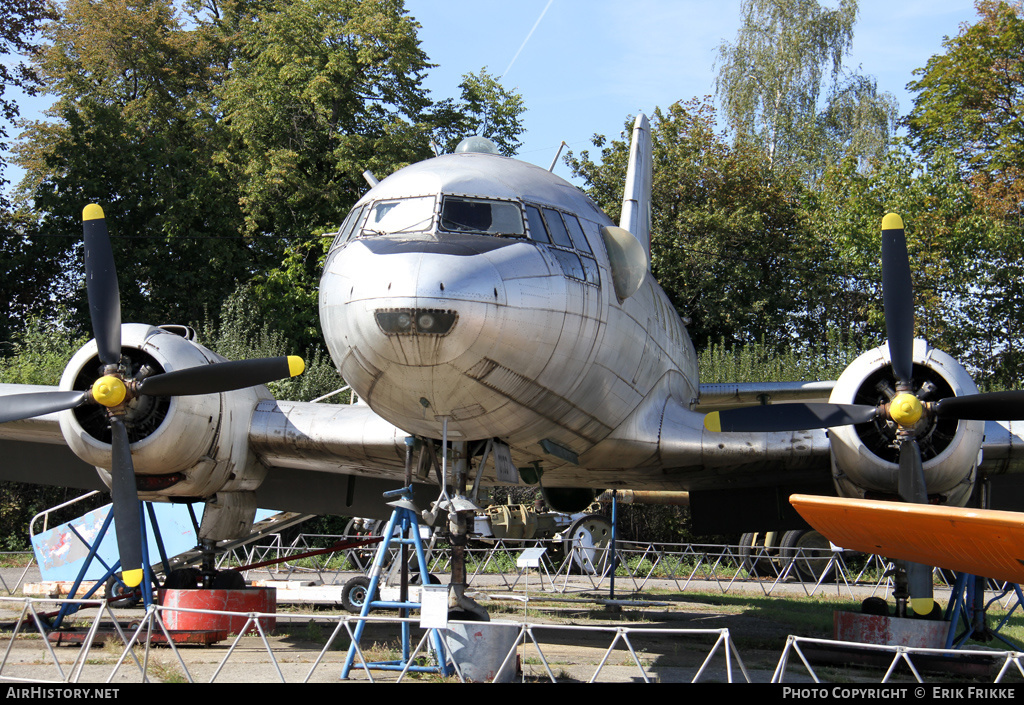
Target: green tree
[(222, 138), (37, 355), (319, 91), (485, 108), (28, 263), (971, 100), (242, 332), (728, 242), (19, 22), (965, 263), (133, 129), (770, 85)]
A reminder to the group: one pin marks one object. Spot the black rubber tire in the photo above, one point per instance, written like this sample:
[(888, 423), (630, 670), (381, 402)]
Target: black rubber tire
[(806, 571), (875, 606), (414, 579), (354, 594), (752, 558), (182, 579), (228, 580)]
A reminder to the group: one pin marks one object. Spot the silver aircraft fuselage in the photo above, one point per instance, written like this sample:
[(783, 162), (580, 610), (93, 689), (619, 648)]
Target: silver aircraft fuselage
[(477, 288)]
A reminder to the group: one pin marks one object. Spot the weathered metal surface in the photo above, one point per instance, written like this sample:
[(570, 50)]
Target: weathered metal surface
[(859, 469), (891, 631)]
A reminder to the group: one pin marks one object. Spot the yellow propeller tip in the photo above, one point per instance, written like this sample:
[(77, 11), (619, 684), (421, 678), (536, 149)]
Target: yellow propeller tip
[(92, 212), (922, 605), (132, 578), (295, 365), (713, 423), (891, 221)]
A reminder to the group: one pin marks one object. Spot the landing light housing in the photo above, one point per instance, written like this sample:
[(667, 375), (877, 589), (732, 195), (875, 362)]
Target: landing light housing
[(416, 321)]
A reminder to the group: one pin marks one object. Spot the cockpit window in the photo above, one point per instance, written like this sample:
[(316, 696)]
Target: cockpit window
[(350, 224), (400, 215), (559, 235), (478, 215), (578, 238), (538, 231), (569, 243)]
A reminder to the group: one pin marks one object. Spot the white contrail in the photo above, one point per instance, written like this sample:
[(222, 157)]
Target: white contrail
[(532, 30)]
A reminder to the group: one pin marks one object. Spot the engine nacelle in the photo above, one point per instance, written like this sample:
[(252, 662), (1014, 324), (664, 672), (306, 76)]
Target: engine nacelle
[(184, 447), (865, 457)]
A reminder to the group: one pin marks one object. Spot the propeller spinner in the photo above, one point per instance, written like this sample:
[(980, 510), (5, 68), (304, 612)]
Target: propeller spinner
[(116, 389)]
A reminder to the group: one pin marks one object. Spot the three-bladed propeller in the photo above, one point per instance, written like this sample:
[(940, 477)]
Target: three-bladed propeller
[(116, 389), (905, 409)]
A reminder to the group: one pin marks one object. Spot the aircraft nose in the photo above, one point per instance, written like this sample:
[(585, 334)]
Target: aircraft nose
[(417, 308)]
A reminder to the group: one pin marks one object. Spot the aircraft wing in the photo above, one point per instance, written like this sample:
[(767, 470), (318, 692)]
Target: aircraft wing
[(982, 542), (33, 450), (310, 450), (715, 397)]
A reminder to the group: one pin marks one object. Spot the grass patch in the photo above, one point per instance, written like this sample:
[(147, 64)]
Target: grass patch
[(16, 560)]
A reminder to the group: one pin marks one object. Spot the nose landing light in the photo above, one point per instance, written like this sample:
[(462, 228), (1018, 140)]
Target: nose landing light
[(416, 321)]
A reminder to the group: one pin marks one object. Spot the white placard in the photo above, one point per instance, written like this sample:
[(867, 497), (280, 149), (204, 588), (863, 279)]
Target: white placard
[(434, 607), (530, 558)]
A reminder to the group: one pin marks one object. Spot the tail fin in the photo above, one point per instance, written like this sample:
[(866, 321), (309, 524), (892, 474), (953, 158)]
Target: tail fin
[(636, 200)]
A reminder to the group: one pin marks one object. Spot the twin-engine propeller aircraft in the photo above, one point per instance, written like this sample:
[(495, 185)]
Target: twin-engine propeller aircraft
[(480, 301)]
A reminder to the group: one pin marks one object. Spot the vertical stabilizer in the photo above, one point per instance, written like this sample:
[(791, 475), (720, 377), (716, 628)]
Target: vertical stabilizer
[(636, 199)]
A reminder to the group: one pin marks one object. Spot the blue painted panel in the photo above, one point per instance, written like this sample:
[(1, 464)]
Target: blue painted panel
[(61, 554)]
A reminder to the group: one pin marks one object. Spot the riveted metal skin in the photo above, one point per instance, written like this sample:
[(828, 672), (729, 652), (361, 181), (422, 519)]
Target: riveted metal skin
[(477, 291)]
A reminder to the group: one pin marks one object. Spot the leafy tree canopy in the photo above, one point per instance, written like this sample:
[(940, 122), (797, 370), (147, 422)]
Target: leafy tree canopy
[(970, 100), (19, 21), (727, 233), (486, 108), (770, 83), (222, 138)]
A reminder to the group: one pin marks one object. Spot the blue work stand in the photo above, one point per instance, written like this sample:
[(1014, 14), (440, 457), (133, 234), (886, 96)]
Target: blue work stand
[(405, 519), (968, 599)]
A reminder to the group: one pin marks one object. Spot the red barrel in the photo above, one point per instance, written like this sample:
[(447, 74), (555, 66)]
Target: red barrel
[(263, 600)]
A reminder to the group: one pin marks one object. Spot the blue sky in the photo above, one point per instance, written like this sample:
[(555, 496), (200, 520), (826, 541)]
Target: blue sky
[(591, 63)]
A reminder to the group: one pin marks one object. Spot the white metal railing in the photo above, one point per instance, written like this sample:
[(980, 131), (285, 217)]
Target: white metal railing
[(45, 514), (899, 655), (193, 664), (17, 583), (539, 647), (638, 564)]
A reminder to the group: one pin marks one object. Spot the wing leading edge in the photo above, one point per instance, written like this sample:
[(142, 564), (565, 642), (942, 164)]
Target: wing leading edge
[(982, 542)]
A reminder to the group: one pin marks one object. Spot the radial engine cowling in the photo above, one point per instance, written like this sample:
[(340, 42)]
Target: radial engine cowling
[(865, 456), (184, 446)]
